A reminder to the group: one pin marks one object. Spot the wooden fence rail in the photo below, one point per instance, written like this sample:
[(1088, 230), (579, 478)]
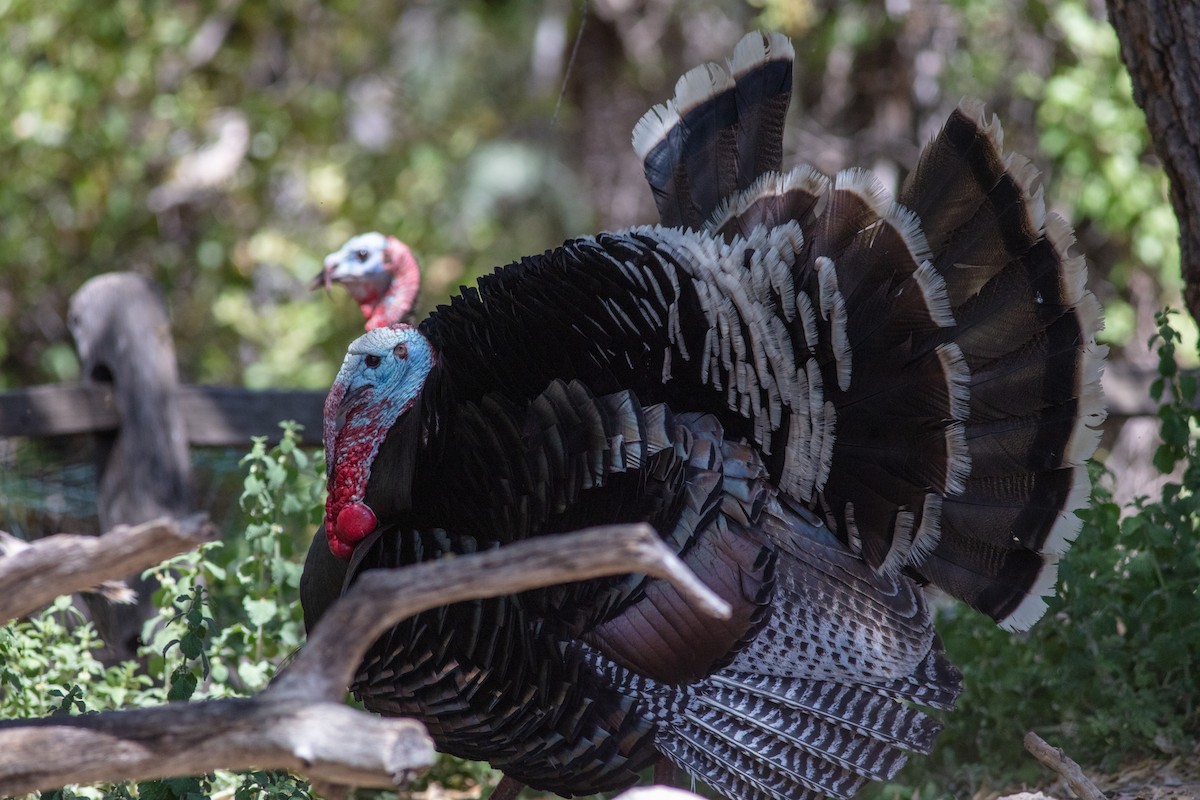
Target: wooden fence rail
[(227, 416), (214, 416)]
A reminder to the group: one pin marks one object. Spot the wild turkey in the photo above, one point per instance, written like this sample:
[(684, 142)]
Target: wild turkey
[(380, 273), (823, 399)]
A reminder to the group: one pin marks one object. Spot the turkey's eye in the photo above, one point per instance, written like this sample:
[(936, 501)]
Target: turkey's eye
[(401, 351), (362, 256), (372, 361)]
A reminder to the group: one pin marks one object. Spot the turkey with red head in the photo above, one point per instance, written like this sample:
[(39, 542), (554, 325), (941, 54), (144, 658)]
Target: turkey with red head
[(380, 273), (822, 398)]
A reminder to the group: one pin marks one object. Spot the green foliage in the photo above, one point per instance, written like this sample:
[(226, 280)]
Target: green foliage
[(357, 116), (435, 124), (227, 621), (1179, 415), (48, 665), (1110, 674)]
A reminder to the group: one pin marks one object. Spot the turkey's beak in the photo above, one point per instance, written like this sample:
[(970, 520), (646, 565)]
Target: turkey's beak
[(347, 404), (324, 278)]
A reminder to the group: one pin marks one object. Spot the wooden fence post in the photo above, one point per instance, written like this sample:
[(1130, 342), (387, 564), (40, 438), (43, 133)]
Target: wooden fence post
[(121, 332)]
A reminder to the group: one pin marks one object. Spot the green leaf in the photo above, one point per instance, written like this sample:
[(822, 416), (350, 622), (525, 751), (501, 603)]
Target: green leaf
[(1175, 429), (252, 674), (1166, 360), (291, 505), (260, 612), (251, 486), (276, 475), (183, 685), (191, 646), (195, 615), (1164, 459), (1187, 387)]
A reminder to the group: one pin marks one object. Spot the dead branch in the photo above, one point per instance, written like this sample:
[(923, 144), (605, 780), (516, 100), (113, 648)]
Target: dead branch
[(381, 598), (31, 576), (1061, 763), (326, 741), (298, 722)]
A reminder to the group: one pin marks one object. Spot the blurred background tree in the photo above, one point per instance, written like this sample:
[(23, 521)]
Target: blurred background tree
[(224, 147)]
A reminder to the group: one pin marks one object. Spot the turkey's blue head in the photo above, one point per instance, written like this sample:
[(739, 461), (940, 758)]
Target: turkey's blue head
[(380, 273), (383, 373)]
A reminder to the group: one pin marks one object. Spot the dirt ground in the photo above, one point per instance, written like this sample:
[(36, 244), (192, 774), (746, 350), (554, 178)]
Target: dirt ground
[(1175, 778)]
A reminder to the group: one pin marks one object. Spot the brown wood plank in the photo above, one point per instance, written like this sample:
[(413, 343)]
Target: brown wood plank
[(216, 416), (57, 409), (223, 416)]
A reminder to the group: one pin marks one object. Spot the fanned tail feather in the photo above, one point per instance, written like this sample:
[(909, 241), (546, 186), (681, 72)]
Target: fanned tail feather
[(721, 130), (1025, 326)]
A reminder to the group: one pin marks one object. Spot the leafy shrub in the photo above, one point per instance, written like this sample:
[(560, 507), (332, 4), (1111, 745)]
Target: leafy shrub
[(227, 620)]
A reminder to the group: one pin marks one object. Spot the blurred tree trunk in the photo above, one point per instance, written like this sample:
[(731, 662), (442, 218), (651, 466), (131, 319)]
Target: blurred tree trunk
[(1160, 43)]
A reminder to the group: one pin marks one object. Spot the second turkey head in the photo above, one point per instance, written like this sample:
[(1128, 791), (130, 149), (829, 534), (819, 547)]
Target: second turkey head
[(380, 273), (380, 380)]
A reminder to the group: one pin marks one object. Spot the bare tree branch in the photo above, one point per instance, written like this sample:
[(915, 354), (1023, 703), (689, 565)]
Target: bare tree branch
[(1062, 765), (298, 722), (325, 741), (31, 576), (382, 598)]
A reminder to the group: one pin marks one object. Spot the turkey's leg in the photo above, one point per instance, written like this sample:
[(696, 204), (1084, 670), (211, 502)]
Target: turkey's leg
[(506, 789), (664, 772)]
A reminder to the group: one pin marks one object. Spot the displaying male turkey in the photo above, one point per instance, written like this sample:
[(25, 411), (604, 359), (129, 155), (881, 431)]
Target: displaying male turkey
[(822, 398), (380, 273)]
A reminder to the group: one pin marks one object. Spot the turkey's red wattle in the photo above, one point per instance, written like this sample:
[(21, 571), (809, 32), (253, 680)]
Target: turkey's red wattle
[(351, 447), (354, 522), (396, 304)]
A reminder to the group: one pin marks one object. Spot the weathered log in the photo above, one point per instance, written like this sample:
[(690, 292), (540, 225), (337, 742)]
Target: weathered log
[(32, 574), (121, 331), (298, 723), (324, 740), (124, 340)]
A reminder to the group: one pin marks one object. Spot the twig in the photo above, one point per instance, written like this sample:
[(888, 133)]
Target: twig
[(32, 576), (562, 92), (1061, 763), (298, 722)]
